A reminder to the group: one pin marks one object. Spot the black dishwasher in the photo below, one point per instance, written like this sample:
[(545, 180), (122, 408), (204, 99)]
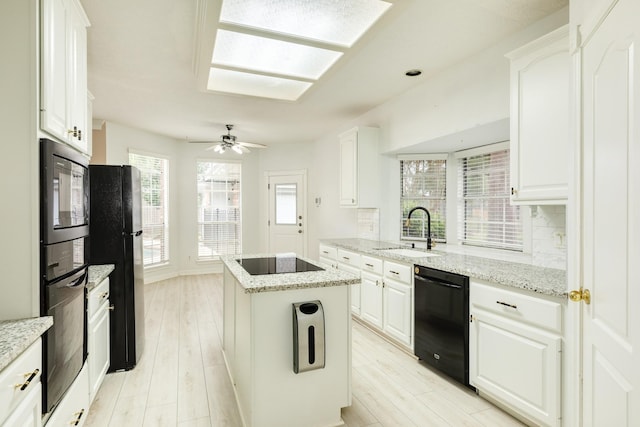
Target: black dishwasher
[(442, 321)]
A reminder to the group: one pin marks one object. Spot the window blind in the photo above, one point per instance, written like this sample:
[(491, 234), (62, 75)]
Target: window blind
[(485, 215), (219, 209), (154, 179), (423, 183)]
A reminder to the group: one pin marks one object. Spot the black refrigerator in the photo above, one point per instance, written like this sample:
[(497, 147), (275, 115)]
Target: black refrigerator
[(115, 230)]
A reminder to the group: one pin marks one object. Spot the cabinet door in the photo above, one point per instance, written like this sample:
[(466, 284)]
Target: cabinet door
[(77, 80), (540, 120), (349, 169), (371, 299), (74, 406), (98, 345), (54, 98), (355, 289), (397, 300), (517, 364), (29, 412)]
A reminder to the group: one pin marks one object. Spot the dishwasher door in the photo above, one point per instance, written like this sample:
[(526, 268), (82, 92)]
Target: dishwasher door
[(441, 322)]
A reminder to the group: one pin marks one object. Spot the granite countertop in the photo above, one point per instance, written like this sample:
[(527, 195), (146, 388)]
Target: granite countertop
[(286, 281), (17, 335), (97, 273), (546, 281)]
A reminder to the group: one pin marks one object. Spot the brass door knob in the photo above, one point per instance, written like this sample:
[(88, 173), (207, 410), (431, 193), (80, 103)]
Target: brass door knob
[(580, 295)]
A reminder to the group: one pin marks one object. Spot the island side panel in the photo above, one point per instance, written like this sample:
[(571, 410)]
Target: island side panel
[(313, 398), (229, 324)]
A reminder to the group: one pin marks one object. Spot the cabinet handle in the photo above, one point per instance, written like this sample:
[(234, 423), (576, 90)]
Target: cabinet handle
[(346, 257), (368, 265), (104, 295), (394, 272), (78, 416), (325, 252), (79, 135), (29, 377), (513, 191), (506, 304), (111, 307)]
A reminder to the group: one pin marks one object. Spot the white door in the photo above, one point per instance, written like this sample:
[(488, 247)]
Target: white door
[(611, 212), (287, 213)]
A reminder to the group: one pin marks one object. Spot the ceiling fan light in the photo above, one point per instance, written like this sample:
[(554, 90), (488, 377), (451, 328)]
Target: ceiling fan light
[(237, 149)]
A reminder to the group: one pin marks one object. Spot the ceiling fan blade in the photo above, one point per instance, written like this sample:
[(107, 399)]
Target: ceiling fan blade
[(215, 147), (251, 144)]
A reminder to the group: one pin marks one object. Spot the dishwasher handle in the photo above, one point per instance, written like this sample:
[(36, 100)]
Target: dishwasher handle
[(436, 282)]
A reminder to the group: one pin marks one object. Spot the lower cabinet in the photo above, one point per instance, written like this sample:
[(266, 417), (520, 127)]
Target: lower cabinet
[(350, 262), (398, 302), (74, 406), (20, 389), (371, 294), (515, 350), (98, 336)]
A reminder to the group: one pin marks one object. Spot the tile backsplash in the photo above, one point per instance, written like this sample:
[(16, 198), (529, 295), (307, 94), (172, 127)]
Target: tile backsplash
[(369, 223), (549, 236)]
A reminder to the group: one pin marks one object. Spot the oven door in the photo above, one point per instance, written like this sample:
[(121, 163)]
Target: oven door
[(64, 350), (65, 257)]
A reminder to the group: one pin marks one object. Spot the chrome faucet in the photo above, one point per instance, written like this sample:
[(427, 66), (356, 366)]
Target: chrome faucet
[(420, 208)]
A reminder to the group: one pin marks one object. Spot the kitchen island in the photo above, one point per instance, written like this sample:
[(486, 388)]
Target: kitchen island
[(258, 343)]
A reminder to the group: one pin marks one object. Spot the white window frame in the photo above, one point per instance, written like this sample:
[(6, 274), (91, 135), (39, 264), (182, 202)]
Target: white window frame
[(415, 217), (201, 223), (150, 229), (477, 151)]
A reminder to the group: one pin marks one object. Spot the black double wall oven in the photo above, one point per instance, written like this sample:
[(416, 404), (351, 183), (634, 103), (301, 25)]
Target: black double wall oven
[(64, 259)]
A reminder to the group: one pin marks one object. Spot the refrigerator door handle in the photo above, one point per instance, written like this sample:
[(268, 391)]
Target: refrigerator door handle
[(137, 233)]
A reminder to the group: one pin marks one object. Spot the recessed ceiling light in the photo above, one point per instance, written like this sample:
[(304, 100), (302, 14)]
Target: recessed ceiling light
[(413, 73)]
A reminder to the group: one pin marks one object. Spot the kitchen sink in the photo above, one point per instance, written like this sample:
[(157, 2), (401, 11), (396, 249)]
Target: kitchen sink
[(410, 253)]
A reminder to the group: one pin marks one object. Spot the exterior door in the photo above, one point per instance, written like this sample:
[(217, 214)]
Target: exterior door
[(287, 213), (611, 213)]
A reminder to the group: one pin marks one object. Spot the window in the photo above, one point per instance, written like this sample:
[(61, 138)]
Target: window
[(423, 183), (154, 177), (219, 215), (485, 215)]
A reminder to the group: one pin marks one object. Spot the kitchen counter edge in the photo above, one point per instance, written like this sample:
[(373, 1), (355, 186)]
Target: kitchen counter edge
[(542, 280), (97, 273), (286, 281), (18, 335)]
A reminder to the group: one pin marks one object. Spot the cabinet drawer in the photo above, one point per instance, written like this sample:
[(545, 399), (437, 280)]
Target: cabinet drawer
[(530, 309), (328, 252), (19, 378), (370, 264), (400, 272), (97, 296), (348, 257)]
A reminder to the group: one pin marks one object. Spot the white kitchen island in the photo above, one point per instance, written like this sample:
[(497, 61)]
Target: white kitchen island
[(258, 345)]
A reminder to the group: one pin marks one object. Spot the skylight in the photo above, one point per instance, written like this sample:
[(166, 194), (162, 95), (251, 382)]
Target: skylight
[(279, 48)]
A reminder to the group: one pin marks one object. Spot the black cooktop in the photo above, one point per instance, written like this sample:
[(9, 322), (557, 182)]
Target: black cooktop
[(273, 265)]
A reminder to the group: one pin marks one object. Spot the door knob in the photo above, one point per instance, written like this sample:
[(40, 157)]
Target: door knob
[(580, 295), (300, 231)]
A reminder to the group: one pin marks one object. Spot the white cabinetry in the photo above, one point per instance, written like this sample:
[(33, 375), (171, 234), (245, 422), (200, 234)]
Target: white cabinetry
[(350, 262), (371, 291), (397, 302), (74, 406), (20, 389), (328, 256), (515, 351), (64, 72), (359, 171), (98, 336), (540, 74)]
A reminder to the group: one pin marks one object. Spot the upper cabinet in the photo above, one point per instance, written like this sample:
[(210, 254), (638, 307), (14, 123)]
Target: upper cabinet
[(63, 93), (540, 74), (359, 171)]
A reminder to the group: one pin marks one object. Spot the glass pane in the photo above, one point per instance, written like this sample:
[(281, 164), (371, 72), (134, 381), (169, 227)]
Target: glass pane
[(286, 201), (255, 85)]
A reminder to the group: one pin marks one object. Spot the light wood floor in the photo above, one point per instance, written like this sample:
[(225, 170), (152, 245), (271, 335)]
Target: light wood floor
[(181, 379)]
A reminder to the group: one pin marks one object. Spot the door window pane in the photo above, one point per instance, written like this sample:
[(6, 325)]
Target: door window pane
[(286, 204)]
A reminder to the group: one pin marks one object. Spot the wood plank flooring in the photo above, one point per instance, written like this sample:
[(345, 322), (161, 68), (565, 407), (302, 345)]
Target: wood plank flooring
[(181, 379)]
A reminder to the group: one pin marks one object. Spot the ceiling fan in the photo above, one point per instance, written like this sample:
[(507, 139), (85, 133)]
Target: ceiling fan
[(229, 141)]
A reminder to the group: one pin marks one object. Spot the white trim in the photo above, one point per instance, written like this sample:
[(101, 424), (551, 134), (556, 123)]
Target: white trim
[(484, 149), (423, 156), (147, 154)]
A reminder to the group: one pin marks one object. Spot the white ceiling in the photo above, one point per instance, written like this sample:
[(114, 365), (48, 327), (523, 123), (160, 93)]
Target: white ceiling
[(143, 63)]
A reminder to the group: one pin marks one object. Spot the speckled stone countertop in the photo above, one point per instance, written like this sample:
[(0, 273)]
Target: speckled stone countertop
[(547, 281), (97, 273), (286, 281), (17, 335)]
